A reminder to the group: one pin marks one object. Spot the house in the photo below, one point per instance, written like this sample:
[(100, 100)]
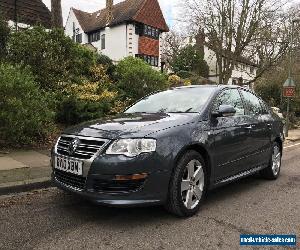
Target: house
[(129, 28), (243, 72), (22, 14)]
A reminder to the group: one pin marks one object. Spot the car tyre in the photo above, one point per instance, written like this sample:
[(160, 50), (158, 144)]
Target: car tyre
[(188, 185), (272, 172)]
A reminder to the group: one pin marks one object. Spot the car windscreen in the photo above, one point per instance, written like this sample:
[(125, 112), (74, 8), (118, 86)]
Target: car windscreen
[(181, 100)]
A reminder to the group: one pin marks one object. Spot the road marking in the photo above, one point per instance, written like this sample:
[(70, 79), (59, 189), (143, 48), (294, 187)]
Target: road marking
[(297, 144)]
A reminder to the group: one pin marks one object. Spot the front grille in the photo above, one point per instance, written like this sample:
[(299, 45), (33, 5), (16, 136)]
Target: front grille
[(71, 180), (113, 186), (86, 149)]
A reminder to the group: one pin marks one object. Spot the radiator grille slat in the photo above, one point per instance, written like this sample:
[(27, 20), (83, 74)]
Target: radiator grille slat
[(87, 148)]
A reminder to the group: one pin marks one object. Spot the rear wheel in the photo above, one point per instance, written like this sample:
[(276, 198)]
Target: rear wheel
[(272, 172), (188, 185)]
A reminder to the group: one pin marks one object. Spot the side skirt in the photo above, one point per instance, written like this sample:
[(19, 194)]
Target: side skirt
[(237, 176)]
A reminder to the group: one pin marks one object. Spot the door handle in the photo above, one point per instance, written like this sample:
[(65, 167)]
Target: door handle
[(246, 126)]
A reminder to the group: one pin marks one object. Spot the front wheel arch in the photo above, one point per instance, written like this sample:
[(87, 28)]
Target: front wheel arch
[(202, 151)]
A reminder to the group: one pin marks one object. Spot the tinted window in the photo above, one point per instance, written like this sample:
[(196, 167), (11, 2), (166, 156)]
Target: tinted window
[(264, 106), (230, 97), (182, 100), (252, 103)]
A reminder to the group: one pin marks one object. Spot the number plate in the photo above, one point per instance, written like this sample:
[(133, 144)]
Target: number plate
[(68, 165)]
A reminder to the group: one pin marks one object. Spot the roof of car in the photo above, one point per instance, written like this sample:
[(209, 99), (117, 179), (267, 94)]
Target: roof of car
[(219, 86)]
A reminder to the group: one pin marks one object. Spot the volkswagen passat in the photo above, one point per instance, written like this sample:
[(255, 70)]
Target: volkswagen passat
[(170, 148)]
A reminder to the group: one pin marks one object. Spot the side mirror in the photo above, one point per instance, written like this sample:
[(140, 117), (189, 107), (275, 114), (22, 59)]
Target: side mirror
[(224, 111)]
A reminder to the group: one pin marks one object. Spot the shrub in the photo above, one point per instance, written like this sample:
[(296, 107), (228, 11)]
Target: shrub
[(174, 81), (25, 116), (73, 111), (90, 99), (52, 57), (108, 63), (137, 79)]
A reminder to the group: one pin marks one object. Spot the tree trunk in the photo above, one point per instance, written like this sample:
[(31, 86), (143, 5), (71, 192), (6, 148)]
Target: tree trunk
[(56, 14)]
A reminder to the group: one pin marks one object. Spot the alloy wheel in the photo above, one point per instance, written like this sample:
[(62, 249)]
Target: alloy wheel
[(192, 184), (276, 160)]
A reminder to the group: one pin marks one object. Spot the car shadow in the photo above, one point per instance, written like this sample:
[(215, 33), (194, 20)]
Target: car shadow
[(86, 210), (235, 188)]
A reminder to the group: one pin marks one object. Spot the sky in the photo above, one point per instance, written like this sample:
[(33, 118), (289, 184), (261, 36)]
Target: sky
[(169, 7)]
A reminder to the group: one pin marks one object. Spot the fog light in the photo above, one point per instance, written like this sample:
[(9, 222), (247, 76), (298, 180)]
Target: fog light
[(131, 177)]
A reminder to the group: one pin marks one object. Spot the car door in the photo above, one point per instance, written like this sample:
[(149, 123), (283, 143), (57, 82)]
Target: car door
[(260, 129), (230, 136)]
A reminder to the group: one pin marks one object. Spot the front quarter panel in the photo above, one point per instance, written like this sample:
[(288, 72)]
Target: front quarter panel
[(172, 143)]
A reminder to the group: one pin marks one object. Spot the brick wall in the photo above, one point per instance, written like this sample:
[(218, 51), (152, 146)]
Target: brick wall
[(148, 46)]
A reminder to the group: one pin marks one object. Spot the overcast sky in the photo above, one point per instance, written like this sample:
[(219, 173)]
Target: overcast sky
[(168, 7)]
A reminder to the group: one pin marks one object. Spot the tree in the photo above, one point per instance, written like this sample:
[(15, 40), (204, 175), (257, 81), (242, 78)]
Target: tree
[(234, 28), (189, 59), (171, 44), (56, 14)]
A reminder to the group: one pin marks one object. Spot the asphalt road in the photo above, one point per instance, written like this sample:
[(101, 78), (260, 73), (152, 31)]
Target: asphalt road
[(49, 219)]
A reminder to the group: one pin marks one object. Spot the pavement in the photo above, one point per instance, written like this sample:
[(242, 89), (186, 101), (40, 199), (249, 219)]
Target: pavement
[(52, 219), (294, 136), (25, 170), (20, 170)]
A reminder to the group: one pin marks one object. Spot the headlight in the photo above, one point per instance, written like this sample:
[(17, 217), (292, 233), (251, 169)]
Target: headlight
[(131, 147)]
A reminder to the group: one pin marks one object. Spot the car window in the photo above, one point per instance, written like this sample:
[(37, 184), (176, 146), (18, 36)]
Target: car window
[(230, 97), (178, 100), (264, 106), (253, 103)]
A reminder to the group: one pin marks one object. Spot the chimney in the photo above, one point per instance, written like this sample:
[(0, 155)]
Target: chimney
[(109, 6)]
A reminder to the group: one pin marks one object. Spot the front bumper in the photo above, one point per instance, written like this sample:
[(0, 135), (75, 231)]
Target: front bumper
[(99, 184)]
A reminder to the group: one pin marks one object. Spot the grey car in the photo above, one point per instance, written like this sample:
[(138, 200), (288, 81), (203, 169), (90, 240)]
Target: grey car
[(170, 148)]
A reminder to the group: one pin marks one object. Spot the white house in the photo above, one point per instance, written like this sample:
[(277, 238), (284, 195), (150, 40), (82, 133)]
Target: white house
[(22, 14), (129, 28), (244, 71)]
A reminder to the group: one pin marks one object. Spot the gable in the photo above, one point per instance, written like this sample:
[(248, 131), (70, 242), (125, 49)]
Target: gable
[(32, 12), (151, 14), (126, 11), (122, 12)]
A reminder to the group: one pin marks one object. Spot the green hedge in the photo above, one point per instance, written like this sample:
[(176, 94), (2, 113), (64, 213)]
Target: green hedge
[(25, 117), (53, 58)]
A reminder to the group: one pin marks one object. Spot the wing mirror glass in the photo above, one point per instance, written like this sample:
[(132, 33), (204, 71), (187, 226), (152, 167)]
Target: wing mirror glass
[(224, 111)]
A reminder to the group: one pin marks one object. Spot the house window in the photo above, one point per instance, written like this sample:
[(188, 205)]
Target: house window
[(79, 38), (94, 37), (252, 70), (146, 30), (103, 41), (152, 60)]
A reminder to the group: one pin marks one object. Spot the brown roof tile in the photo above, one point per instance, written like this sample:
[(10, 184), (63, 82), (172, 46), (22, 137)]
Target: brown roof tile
[(128, 10), (31, 12)]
